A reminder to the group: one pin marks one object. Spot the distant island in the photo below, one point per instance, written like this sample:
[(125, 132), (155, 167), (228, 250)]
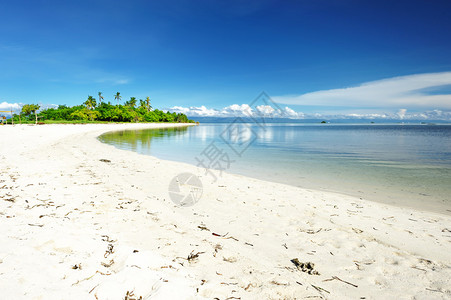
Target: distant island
[(98, 111)]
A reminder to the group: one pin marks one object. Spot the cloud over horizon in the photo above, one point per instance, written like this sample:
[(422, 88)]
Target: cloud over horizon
[(8, 106), (412, 91), (244, 110), (414, 97), (237, 110)]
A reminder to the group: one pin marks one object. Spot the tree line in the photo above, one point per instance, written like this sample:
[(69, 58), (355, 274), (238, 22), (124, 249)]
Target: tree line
[(92, 111)]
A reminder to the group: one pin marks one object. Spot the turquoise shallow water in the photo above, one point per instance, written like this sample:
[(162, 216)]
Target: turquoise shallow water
[(406, 165)]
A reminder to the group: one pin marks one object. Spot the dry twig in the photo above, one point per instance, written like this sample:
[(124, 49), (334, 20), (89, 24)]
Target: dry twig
[(336, 278)]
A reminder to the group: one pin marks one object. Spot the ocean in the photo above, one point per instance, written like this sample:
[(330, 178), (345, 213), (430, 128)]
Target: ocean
[(403, 165)]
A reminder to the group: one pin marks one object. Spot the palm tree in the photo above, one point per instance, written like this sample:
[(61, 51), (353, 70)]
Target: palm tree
[(28, 109), (142, 103), (148, 104), (132, 102), (35, 108), (90, 102), (118, 97), (100, 97)]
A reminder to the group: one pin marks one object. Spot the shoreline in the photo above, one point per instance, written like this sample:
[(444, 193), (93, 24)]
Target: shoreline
[(68, 207), (396, 195)]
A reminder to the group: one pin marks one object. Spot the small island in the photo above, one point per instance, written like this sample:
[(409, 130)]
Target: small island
[(99, 111)]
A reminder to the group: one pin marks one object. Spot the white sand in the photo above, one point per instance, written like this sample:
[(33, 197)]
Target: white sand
[(61, 207)]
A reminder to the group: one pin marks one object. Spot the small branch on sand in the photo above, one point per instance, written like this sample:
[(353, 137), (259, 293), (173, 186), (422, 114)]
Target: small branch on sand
[(339, 279), (87, 278), (107, 265), (224, 236), (131, 296), (109, 251), (229, 283), (368, 262), (320, 289), (93, 289), (167, 267), (216, 234), (278, 283), (310, 231), (107, 239), (12, 199), (426, 261), (201, 227), (192, 256)]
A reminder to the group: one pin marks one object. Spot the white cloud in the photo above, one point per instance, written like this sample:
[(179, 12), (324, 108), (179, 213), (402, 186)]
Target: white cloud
[(201, 111), (266, 110), (8, 106), (237, 110), (405, 91), (245, 110), (402, 113), (289, 113)]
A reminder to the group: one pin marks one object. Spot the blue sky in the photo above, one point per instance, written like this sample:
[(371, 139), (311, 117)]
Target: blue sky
[(313, 56)]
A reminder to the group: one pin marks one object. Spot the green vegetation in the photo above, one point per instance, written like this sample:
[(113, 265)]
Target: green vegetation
[(29, 110), (93, 112)]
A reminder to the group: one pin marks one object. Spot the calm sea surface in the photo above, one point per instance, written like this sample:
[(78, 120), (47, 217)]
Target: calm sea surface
[(407, 165)]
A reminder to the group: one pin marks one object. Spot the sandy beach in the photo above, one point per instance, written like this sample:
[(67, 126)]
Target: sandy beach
[(80, 219)]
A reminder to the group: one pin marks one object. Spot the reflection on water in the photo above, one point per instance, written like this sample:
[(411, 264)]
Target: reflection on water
[(140, 140), (404, 165)]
